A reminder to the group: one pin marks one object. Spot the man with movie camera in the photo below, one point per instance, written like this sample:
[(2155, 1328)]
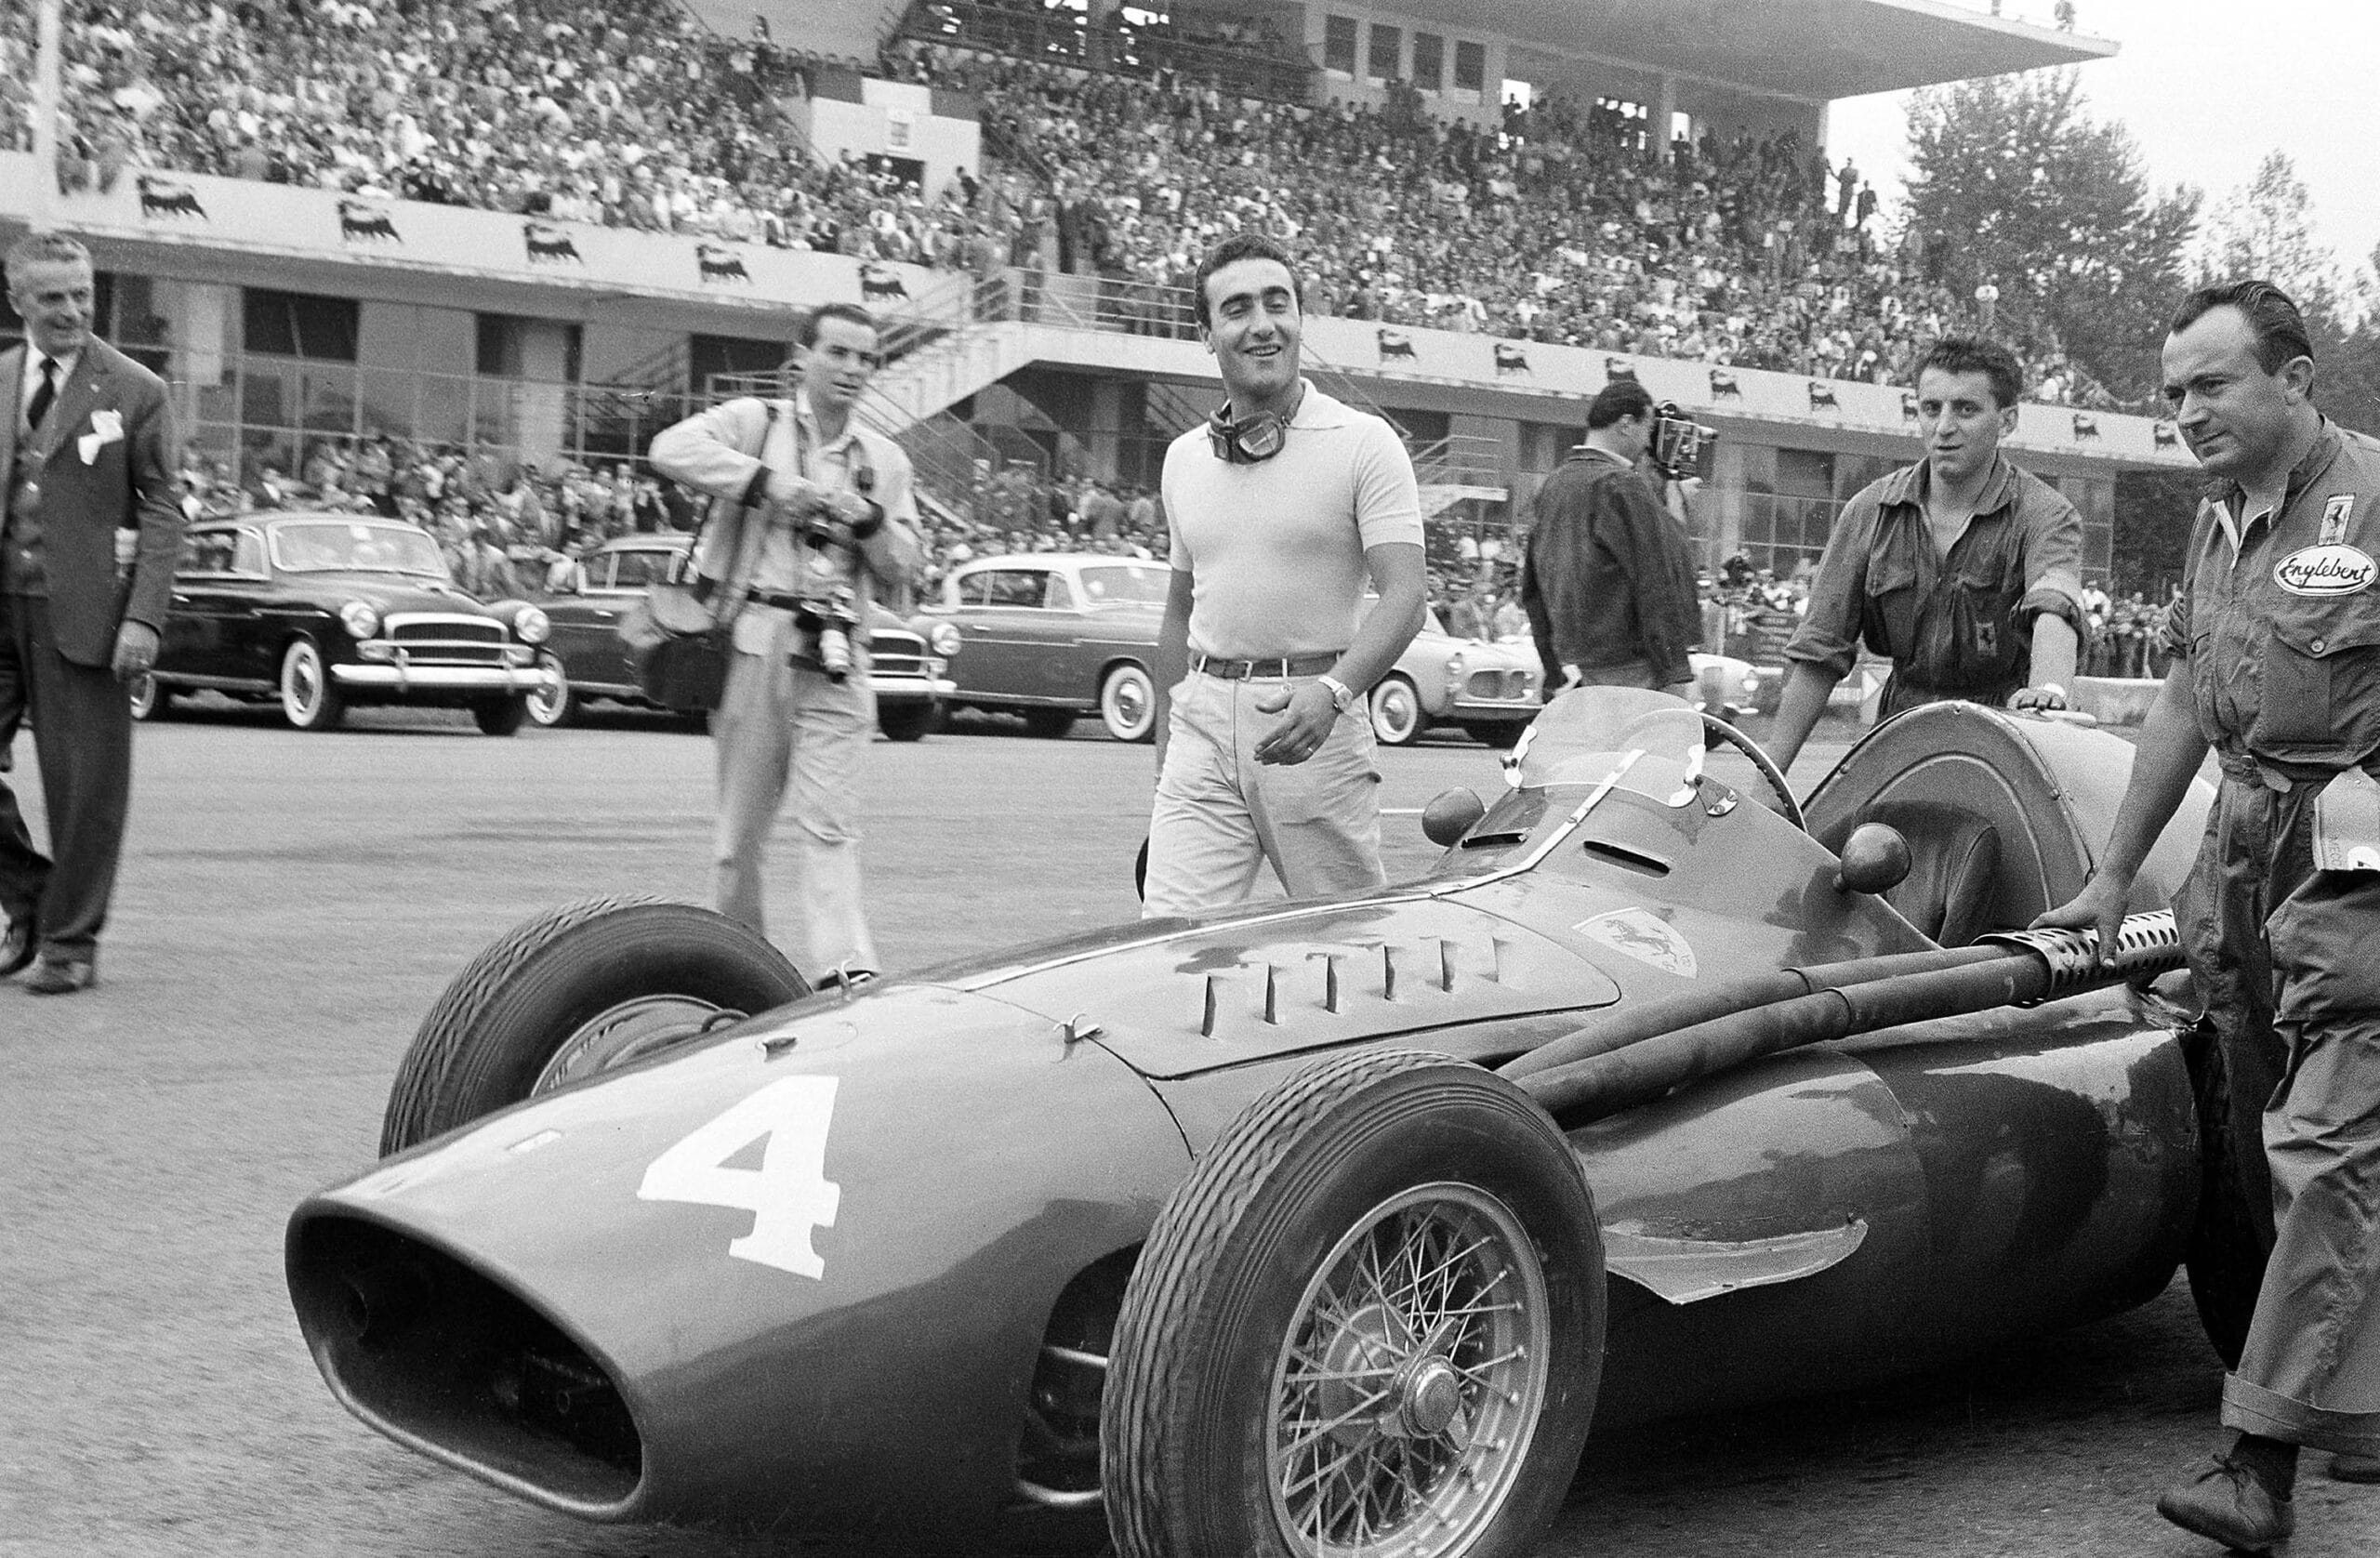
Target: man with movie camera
[(1964, 570), (812, 514), (1608, 577)]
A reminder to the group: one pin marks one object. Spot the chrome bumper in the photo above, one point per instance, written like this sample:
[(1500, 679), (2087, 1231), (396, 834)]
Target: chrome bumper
[(445, 679), (909, 689)]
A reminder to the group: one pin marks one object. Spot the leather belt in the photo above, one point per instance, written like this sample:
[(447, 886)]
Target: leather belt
[(1241, 670), (771, 599)]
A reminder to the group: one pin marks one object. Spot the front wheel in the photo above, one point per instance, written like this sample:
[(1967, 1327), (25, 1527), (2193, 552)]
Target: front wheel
[(575, 991), (1503, 734), (554, 705), (1127, 703), (1049, 724), (1371, 1317), (309, 700), (907, 722), (1396, 713), (148, 697), (503, 718)]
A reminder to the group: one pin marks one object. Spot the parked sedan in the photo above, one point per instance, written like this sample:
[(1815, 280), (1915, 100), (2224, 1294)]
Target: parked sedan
[(1054, 636), (591, 662), (323, 610)]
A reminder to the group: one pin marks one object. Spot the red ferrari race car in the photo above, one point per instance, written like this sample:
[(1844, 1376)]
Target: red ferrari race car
[(1308, 1227)]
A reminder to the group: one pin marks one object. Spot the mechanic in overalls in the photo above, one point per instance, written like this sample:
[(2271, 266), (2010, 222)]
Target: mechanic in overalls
[(1966, 572), (2276, 666)]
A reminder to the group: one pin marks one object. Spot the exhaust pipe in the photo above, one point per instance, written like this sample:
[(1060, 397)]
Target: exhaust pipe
[(1631, 1059)]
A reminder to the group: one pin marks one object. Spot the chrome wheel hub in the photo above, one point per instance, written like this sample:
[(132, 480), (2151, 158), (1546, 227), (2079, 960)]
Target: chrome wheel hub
[(621, 1034), (1409, 1389)]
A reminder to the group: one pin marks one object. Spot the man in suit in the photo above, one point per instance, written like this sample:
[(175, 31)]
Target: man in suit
[(88, 532)]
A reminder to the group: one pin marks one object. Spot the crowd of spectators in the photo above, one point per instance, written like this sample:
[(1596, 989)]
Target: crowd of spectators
[(629, 115), (1557, 225)]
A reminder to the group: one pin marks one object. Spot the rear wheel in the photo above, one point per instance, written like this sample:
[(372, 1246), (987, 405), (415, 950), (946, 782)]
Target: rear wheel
[(2226, 1257), (309, 700), (1397, 720), (1371, 1317), (1049, 724), (1127, 703), (573, 992)]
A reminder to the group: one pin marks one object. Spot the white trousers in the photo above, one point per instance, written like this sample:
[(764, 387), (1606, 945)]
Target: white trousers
[(1220, 814), (780, 724)]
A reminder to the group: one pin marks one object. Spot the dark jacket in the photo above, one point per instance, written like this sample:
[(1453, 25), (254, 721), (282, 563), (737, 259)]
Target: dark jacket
[(1609, 578)]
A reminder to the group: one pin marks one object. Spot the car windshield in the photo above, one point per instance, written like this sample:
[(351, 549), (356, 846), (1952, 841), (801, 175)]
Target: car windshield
[(355, 547), (1646, 742), (1124, 585)]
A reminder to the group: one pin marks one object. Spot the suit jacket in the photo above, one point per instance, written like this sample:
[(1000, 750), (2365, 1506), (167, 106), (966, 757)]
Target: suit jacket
[(126, 482)]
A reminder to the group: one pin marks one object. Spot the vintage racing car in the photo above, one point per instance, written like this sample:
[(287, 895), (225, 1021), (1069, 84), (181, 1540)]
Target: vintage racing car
[(1312, 1226)]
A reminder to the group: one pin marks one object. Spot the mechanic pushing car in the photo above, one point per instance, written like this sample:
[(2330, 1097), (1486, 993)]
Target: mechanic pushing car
[(1277, 506), (834, 507), (1963, 569), (2276, 666)]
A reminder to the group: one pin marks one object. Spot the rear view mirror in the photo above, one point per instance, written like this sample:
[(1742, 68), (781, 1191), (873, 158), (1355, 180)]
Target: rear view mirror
[(1448, 818), (1875, 859)]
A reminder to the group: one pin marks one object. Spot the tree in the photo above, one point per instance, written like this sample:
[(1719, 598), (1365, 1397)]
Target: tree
[(2012, 182)]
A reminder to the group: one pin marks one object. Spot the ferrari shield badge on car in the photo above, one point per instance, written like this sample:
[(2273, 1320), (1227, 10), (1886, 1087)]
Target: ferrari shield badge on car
[(1645, 936)]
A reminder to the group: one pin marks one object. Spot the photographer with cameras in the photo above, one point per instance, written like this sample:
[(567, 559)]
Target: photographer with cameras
[(1963, 569), (812, 514), (1608, 577)]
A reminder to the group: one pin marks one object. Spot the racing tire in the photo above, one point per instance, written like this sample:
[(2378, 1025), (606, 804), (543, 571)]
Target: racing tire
[(560, 706), (1503, 734), (1397, 720), (309, 699), (504, 717), (2225, 1255), (148, 698), (1127, 703), (573, 992), (910, 722), (1048, 724), (1258, 1308)]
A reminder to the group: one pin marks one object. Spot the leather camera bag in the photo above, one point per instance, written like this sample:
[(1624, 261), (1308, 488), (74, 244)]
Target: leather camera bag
[(677, 638)]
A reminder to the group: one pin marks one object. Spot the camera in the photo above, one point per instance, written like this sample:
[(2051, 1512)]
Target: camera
[(1682, 446)]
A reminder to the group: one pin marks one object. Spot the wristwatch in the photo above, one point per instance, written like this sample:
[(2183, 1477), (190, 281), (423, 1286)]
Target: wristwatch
[(1341, 694)]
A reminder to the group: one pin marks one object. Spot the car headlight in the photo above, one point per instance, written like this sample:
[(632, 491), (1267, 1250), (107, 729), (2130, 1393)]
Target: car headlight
[(532, 626), (943, 636), (360, 620)]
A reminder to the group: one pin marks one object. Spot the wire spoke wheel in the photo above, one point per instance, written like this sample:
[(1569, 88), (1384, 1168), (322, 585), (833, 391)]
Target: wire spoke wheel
[(1409, 1386), (637, 1028)]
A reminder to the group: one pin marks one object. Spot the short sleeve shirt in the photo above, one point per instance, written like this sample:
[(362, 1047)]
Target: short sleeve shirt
[(1275, 550)]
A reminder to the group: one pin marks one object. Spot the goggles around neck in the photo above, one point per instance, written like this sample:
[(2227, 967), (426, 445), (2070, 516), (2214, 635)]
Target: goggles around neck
[(1250, 441)]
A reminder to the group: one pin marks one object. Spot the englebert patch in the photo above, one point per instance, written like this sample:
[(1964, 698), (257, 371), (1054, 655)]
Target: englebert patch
[(2335, 569)]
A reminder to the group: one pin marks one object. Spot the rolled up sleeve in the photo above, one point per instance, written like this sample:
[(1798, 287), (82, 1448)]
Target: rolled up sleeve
[(1828, 636), (2052, 559)]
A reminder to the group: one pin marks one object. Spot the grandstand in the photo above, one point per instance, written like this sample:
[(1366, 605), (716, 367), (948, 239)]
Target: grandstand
[(532, 235)]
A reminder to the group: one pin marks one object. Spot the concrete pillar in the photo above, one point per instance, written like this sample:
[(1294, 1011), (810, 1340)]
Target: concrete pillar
[(1664, 109)]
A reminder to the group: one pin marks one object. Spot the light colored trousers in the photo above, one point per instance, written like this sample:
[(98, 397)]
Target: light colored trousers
[(1220, 814), (781, 723)]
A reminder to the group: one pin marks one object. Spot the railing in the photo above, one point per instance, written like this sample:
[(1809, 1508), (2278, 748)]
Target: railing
[(1064, 37)]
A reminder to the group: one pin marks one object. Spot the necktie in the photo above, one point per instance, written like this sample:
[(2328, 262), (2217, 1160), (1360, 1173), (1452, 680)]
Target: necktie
[(44, 393)]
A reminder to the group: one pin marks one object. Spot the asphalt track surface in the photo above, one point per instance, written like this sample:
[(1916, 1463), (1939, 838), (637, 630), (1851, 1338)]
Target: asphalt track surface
[(290, 906)]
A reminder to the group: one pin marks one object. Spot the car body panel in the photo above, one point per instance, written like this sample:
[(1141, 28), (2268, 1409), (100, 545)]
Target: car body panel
[(1007, 1127), (237, 605), (587, 621)]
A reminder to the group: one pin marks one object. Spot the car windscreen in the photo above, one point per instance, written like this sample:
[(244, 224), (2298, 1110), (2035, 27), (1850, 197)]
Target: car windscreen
[(352, 547), (1124, 585)]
